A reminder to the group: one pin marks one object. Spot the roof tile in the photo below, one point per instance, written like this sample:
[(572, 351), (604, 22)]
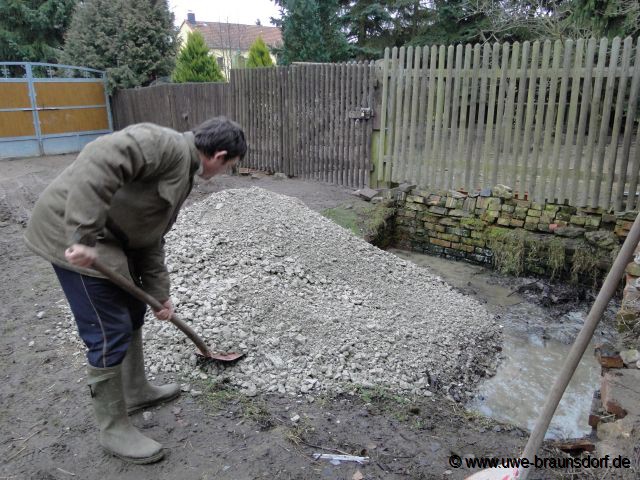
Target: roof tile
[(236, 36)]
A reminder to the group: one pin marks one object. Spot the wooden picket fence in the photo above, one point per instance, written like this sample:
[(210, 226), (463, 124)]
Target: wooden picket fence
[(552, 120), (307, 120)]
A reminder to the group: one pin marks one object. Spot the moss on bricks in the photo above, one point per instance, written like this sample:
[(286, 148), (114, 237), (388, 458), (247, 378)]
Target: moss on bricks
[(521, 212), (419, 207), (440, 243), (460, 213), (451, 202), (466, 248), (547, 217), (497, 233), (490, 216), (523, 203), (551, 209), (532, 227), (469, 204), (476, 242), (508, 208), (415, 199), (593, 222), (493, 203), (448, 237), (472, 223), (449, 222), (438, 210)]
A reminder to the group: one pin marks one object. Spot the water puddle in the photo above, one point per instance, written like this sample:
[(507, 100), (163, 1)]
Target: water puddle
[(536, 342)]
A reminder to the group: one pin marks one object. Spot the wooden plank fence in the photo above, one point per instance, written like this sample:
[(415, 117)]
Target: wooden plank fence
[(554, 121), (178, 106), (307, 120)]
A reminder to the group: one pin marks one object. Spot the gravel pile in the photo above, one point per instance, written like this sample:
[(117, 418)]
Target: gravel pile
[(314, 307)]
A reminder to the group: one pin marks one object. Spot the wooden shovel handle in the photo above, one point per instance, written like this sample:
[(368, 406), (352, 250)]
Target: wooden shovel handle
[(143, 296)]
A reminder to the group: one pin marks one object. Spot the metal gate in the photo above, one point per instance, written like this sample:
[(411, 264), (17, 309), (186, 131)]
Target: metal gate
[(48, 109)]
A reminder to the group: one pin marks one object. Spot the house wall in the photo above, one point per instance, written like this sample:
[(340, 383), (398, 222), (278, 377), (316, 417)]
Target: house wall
[(228, 55)]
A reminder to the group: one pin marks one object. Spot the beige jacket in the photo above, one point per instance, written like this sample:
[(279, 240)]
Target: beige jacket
[(122, 195)]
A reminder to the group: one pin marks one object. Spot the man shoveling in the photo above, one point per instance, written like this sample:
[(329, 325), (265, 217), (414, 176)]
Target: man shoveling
[(116, 202)]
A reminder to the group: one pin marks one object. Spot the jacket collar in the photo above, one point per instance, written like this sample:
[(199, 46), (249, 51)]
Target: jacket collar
[(195, 163)]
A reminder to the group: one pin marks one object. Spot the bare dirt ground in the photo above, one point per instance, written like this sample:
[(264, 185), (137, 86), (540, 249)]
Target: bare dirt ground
[(46, 422)]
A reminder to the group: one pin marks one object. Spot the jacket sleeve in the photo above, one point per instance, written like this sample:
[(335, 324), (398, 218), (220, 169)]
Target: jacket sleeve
[(150, 268)]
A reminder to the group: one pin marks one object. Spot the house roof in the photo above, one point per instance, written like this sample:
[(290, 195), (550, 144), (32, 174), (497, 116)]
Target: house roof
[(236, 36)]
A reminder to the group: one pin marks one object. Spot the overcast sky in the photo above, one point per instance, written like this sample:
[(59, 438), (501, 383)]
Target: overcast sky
[(232, 11)]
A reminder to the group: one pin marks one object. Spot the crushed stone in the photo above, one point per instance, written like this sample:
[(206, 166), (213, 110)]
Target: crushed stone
[(314, 307)]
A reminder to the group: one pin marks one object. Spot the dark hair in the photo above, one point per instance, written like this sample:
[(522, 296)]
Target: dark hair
[(218, 134)]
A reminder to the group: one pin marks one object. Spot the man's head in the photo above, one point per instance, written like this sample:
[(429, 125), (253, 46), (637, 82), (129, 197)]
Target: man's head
[(221, 144)]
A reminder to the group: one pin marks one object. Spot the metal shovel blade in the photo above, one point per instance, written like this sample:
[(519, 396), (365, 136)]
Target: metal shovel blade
[(224, 357)]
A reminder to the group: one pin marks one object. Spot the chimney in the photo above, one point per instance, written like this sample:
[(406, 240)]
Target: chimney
[(191, 18)]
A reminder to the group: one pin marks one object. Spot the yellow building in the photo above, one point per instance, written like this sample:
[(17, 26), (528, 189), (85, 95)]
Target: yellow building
[(229, 43)]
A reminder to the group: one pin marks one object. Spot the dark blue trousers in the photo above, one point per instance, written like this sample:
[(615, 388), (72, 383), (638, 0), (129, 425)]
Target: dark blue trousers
[(105, 315)]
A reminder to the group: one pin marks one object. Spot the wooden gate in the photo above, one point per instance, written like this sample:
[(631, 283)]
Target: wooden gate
[(308, 120), (50, 109)]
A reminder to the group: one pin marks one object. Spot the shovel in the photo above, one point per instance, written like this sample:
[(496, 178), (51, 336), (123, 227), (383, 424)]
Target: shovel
[(143, 296)]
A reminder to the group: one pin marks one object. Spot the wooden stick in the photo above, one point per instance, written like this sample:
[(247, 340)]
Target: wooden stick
[(143, 296)]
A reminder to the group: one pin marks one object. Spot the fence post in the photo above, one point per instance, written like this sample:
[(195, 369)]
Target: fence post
[(34, 107)]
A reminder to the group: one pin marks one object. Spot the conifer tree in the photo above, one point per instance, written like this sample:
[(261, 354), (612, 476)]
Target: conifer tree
[(133, 40), (259, 55), (311, 32), (194, 64), (33, 31), (607, 18)]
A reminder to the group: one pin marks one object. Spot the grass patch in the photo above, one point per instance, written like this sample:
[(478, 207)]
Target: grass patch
[(380, 396), (584, 263), (517, 251), (298, 433), (556, 257), (508, 248), (389, 403), (365, 220), (346, 218), (221, 396)]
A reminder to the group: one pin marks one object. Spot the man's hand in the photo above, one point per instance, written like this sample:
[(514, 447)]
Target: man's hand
[(166, 312), (80, 255)]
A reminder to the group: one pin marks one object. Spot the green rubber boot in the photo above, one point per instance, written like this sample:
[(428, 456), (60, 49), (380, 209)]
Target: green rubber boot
[(117, 435), (138, 392)]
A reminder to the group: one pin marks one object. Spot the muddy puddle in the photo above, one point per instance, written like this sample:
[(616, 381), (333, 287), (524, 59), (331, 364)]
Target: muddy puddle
[(537, 339)]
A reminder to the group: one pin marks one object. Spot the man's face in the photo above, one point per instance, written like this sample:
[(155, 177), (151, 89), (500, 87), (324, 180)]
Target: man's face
[(216, 164)]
